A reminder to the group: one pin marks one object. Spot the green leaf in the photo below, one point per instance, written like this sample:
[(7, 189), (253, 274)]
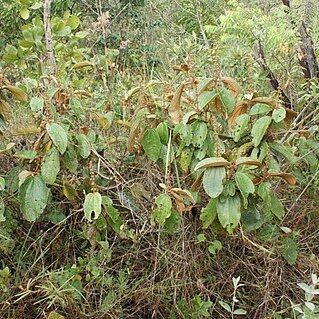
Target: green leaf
[(205, 98), (152, 144), (33, 196), (228, 211), (92, 205), (242, 122), (240, 312), (259, 129), (2, 183), (227, 100), (186, 158), (289, 250), (278, 114), (252, 219), (201, 238), (24, 13), (172, 221), (70, 159), (260, 108), (113, 216), (245, 186), (213, 181), (58, 136), (2, 210), (84, 147), (162, 130), (225, 305), (214, 247), (73, 22), (50, 166), (199, 132), (25, 154), (276, 207), (36, 104), (209, 213), (285, 151), (163, 209)]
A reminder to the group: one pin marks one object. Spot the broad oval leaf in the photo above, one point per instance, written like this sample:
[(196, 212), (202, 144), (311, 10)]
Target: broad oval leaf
[(209, 213), (163, 209), (58, 136), (199, 132), (213, 181), (84, 147), (33, 196), (152, 144), (162, 130), (228, 211), (260, 108), (259, 129), (279, 114), (212, 162), (2, 183), (205, 98), (245, 186), (92, 205), (50, 166)]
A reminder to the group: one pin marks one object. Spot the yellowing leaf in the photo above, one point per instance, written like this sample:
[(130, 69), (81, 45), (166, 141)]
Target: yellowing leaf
[(4, 109), (24, 13), (32, 130), (17, 93), (69, 191), (82, 64), (103, 121), (82, 92)]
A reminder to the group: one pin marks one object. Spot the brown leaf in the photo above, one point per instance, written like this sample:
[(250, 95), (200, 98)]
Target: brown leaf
[(232, 85), (291, 180), (265, 100), (17, 93), (240, 108), (198, 182), (5, 109), (290, 114), (175, 110)]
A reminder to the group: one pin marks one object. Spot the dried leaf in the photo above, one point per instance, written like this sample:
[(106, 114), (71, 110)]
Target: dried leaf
[(232, 85), (83, 93), (197, 183), (212, 162), (5, 109), (17, 93), (32, 130), (290, 179), (175, 107), (184, 193), (266, 100), (240, 108)]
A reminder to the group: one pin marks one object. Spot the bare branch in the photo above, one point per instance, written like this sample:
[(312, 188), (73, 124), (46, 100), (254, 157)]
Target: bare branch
[(273, 80)]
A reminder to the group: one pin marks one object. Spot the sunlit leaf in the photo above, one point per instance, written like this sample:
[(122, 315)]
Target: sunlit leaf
[(58, 136), (213, 181), (92, 205)]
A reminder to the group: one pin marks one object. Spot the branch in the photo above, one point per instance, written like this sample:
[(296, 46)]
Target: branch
[(270, 75), (48, 36), (305, 50)]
